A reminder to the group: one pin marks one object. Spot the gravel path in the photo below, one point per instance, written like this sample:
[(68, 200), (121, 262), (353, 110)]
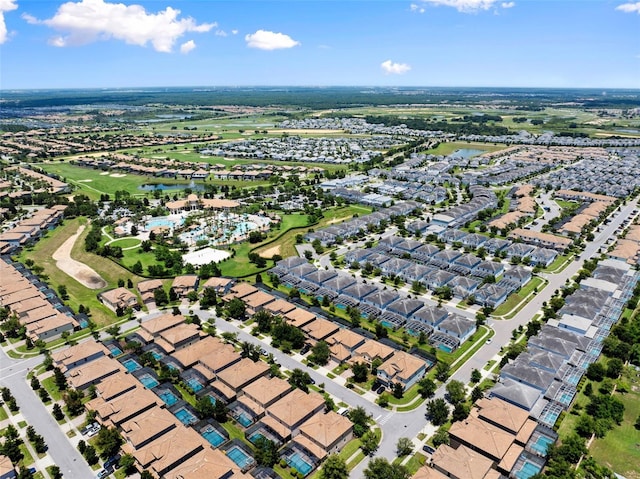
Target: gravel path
[(77, 270)]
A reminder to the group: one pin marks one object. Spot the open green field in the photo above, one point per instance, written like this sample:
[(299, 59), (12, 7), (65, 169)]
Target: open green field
[(42, 253), (101, 184), (619, 450), (126, 242), (189, 153), (448, 148)]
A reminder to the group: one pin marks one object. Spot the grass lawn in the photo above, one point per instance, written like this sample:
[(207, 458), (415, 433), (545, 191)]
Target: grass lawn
[(126, 242), (27, 460), (50, 385), (3, 414), (559, 264), (413, 464), (514, 300), (448, 148), (619, 450), (41, 253)]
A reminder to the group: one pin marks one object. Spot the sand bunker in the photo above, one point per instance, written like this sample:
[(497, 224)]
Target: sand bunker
[(117, 175), (271, 252), (85, 181), (77, 270), (104, 173)]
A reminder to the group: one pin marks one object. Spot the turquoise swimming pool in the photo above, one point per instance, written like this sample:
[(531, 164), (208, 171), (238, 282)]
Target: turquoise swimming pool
[(131, 365), (528, 469), (296, 461), (255, 436), (185, 417), (168, 397), (241, 458), (157, 355), (115, 351), (212, 436), (149, 381), (244, 419), (194, 384), (542, 445), (445, 348)]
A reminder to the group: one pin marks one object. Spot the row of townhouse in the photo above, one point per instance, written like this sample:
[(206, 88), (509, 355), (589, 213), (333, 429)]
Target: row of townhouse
[(30, 230), (150, 415), (36, 306), (628, 248), (597, 178), (482, 199), (345, 346), (390, 307), (543, 379), (328, 236)]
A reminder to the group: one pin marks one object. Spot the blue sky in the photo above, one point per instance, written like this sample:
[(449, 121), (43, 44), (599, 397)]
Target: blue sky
[(131, 43)]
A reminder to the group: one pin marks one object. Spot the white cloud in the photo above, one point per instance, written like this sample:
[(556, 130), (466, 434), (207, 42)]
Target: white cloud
[(220, 33), (416, 8), (629, 7), (266, 40), (87, 21), (5, 6), (186, 47), (234, 32), (470, 6), (391, 68)]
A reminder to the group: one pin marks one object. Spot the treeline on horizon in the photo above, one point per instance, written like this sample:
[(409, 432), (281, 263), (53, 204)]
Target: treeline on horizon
[(321, 98)]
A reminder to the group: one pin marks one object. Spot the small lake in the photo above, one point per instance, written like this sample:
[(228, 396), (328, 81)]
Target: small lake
[(466, 153), (163, 187)]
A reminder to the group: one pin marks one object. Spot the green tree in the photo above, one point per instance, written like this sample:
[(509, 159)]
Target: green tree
[(90, 455), (109, 441), (205, 408), (476, 376), (380, 468), (456, 391), (426, 387), (360, 372), (440, 437), (54, 472), (320, 353), (460, 412), (437, 411), (360, 420), (160, 297), (300, 379), (368, 443), (442, 371), (73, 400), (57, 412), (404, 446), (236, 308), (334, 467), (60, 379), (398, 390), (128, 463), (266, 452)]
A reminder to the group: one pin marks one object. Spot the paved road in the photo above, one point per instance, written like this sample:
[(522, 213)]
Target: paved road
[(13, 375)]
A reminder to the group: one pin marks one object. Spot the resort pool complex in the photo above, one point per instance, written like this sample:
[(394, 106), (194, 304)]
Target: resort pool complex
[(131, 365), (213, 436), (149, 381), (241, 458), (529, 469), (185, 417), (168, 397), (163, 222), (296, 461)]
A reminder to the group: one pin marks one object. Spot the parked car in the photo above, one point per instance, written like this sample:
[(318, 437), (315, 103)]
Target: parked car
[(102, 473), (429, 449), (381, 389), (305, 348), (112, 461)]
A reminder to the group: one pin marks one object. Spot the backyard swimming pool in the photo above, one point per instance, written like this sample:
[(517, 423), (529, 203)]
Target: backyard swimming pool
[(148, 381), (296, 461), (528, 470), (131, 365), (185, 417), (194, 384), (241, 458), (168, 397), (212, 436), (542, 444)]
